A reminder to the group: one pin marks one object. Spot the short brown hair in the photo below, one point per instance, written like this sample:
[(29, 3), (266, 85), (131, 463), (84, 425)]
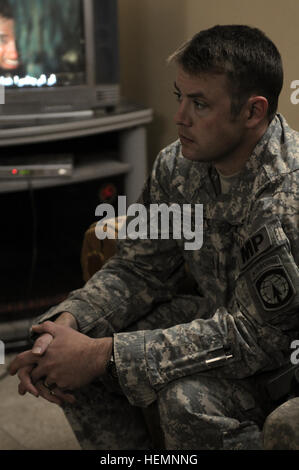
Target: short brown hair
[(248, 58)]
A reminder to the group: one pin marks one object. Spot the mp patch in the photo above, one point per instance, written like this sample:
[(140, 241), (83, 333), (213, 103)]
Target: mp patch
[(274, 288), (254, 246)]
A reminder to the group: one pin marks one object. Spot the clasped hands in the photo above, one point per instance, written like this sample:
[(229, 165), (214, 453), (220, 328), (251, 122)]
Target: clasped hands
[(61, 360)]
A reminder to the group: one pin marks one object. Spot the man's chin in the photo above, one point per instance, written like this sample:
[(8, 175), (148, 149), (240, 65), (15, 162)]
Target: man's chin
[(193, 157)]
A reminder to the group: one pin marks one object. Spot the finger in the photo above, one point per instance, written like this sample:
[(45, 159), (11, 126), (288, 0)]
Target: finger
[(65, 397), (48, 387), (22, 390), (26, 384), (53, 396), (22, 360), (38, 373), (46, 327), (48, 383), (42, 343), (47, 395)]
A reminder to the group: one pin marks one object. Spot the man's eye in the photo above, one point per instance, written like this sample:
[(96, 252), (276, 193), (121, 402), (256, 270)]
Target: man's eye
[(3, 39), (178, 96), (199, 105)]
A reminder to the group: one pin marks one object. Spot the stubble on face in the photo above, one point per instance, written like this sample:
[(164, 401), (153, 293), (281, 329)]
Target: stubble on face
[(207, 129)]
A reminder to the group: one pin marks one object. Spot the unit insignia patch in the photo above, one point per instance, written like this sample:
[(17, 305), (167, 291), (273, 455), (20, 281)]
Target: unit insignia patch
[(274, 288)]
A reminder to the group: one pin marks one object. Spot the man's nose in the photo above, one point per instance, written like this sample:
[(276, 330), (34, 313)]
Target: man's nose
[(182, 116)]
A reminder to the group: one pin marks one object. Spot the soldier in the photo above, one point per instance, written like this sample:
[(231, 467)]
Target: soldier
[(194, 358)]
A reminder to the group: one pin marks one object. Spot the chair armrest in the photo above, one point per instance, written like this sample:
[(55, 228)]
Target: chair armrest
[(95, 252)]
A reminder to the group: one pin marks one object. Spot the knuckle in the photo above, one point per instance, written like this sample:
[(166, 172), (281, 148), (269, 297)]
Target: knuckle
[(50, 364), (47, 369), (62, 384), (22, 373), (47, 336), (20, 356)]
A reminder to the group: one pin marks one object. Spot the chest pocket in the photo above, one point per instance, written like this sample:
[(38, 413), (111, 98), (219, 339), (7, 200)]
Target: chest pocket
[(268, 281)]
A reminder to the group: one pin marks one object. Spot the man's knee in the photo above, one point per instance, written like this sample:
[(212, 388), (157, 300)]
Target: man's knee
[(198, 412), (186, 415), (102, 419), (281, 429)]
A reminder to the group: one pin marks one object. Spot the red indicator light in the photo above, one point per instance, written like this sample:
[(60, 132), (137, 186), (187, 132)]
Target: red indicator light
[(107, 192), (14, 171)]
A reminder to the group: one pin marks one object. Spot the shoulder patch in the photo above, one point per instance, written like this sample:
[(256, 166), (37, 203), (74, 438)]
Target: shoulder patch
[(274, 288), (254, 247)]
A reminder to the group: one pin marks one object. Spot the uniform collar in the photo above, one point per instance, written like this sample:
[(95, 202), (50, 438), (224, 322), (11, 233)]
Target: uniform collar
[(198, 181), (188, 176)]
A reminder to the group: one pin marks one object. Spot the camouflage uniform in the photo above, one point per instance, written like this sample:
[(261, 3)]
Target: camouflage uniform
[(197, 357), (281, 430)]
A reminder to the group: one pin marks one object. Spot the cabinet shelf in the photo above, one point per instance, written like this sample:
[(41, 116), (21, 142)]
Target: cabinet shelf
[(126, 124), (90, 170), (16, 133)]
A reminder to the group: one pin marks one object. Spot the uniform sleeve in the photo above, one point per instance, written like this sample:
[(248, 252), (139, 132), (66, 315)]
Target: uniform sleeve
[(252, 335), (142, 273)]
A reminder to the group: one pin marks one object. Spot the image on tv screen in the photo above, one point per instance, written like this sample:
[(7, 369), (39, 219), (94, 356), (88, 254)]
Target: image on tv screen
[(41, 43)]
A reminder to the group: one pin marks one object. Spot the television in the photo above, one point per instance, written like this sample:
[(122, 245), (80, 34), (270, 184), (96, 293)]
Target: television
[(58, 57)]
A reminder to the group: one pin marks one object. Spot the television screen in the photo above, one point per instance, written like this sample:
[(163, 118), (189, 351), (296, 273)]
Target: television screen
[(42, 43)]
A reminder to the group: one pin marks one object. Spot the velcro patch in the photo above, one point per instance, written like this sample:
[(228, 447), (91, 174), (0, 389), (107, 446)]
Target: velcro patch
[(263, 265), (254, 247)]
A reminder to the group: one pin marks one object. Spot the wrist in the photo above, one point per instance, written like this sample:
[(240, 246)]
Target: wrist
[(103, 354), (111, 370), (67, 319)]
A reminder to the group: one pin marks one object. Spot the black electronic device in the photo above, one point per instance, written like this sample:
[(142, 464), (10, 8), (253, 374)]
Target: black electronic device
[(36, 167), (58, 57)]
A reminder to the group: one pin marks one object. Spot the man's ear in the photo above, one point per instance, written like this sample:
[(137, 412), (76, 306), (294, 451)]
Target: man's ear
[(256, 110)]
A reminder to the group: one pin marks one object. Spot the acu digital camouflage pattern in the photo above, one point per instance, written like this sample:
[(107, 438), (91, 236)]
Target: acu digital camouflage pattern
[(245, 315), (281, 430)]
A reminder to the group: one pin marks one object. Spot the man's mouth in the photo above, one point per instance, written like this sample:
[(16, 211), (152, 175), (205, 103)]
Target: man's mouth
[(185, 139), (11, 63)]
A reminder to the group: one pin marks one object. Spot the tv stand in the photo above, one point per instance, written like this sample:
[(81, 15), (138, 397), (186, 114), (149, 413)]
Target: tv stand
[(44, 219), (126, 126), (46, 116)]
